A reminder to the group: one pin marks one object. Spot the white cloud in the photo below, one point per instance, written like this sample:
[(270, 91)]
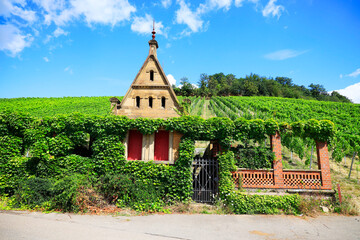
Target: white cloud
[(103, 11), (193, 18), (239, 3), (27, 15), (69, 70), (16, 8), (144, 25), (46, 59), (171, 79), (352, 92), (5, 8), (47, 39), (166, 3), (354, 74), (272, 9), (12, 41), (184, 15), (15, 33), (214, 4), (284, 54), (58, 32), (94, 11), (52, 5), (62, 18)]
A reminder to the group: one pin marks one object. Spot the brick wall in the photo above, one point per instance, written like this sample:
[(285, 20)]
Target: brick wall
[(324, 165), (275, 141)]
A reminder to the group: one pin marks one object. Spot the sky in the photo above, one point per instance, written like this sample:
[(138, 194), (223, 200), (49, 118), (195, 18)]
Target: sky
[(56, 48)]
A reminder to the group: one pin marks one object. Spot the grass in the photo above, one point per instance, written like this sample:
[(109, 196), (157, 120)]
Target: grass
[(350, 188), (207, 113)]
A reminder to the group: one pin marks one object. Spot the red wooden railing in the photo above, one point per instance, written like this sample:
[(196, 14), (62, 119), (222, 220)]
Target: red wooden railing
[(299, 179), (302, 179), (254, 178)]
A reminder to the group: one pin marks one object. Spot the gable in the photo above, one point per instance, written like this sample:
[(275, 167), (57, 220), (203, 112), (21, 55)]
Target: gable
[(150, 94), (151, 74), (157, 87)]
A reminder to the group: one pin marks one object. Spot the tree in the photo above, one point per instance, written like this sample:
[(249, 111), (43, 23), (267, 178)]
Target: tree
[(284, 81), (317, 90), (249, 88), (337, 97), (187, 89), (203, 85)]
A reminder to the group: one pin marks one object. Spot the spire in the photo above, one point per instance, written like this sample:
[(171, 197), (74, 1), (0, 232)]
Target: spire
[(153, 43), (153, 32)]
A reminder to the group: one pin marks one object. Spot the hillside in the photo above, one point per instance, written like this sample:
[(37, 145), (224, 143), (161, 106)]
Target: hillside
[(253, 85), (42, 107), (346, 116)]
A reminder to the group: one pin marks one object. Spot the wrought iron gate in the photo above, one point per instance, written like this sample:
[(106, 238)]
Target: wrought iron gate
[(205, 179)]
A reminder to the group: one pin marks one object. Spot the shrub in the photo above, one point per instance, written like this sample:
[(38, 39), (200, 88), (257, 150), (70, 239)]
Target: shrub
[(108, 153), (66, 191), (129, 192), (10, 146), (77, 164), (253, 157), (241, 203), (13, 173), (34, 192), (60, 145)]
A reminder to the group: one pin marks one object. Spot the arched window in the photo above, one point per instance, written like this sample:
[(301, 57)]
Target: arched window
[(150, 102), (163, 100), (138, 101), (151, 75)]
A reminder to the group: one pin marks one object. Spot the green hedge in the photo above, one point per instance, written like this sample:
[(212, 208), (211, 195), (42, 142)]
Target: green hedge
[(242, 203), (47, 152)]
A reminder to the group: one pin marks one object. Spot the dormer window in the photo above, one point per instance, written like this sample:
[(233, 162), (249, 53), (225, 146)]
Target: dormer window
[(163, 101), (150, 102), (151, 75), (137, 102)]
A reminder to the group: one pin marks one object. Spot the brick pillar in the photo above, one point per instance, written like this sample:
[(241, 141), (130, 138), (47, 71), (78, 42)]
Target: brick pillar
[(324, 165), (275, 141)]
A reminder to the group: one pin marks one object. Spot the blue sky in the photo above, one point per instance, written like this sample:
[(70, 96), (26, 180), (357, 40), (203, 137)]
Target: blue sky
[(55, 48)]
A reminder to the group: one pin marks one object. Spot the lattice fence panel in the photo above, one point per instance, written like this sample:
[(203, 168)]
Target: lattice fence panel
[(302, 179), (254, 178)]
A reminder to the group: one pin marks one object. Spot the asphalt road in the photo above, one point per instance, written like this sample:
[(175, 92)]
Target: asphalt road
[(53, 226)]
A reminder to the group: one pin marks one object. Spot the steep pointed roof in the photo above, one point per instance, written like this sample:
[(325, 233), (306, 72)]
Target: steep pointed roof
[(161, 72), (150, 94)]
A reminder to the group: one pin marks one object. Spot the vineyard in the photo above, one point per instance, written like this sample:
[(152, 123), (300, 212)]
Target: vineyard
[(41, 107), (346, 116)]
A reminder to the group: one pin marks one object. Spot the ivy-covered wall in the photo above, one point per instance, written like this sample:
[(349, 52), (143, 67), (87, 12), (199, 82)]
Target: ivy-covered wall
[(77, 150)]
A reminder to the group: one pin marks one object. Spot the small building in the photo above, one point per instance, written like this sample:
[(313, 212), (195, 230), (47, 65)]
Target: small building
[(150, 96)]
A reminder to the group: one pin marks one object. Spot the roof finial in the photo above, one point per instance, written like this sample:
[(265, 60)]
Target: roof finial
[(153, 32)]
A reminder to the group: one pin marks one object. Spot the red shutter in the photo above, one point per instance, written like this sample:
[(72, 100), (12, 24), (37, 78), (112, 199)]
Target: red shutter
[(134, 145), (161, 151)]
